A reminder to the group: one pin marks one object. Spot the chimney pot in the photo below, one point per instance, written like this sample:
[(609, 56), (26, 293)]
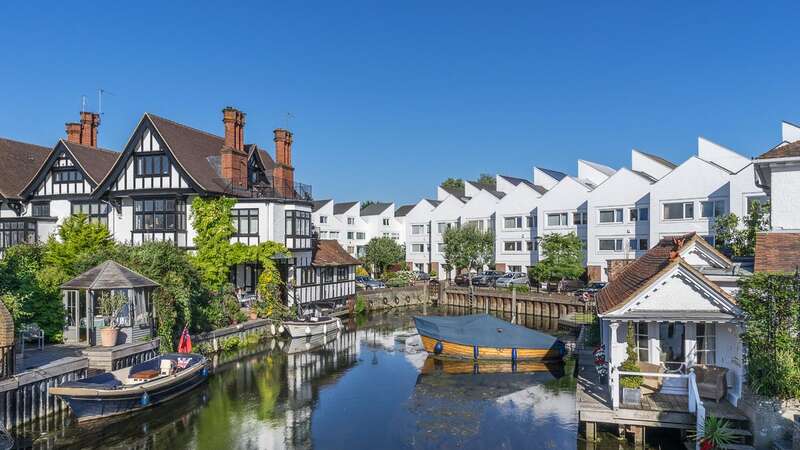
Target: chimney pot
[(89, 123), (232, 155)]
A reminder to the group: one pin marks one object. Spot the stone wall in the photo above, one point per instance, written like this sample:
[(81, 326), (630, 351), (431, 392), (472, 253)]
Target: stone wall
[(395, 297)]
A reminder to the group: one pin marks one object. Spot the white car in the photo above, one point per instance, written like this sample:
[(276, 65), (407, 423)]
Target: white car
[(512, 279)]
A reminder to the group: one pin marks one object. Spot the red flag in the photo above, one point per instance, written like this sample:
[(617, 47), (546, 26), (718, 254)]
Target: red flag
[(185, 344)]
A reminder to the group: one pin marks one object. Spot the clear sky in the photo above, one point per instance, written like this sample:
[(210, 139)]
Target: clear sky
[(391, 97)]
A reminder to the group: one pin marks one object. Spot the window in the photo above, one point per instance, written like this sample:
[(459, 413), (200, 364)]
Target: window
[(307, 276), (386, 221), (17, 232), (418, 248), (475, 223), (706, 343), (610, 245), (513, 268), (326, 275), (67, 176), (530, 221), (712, 208), (245, 221), (351, 221), (96, 212), (640, 214), (579, 218), (557, 220), (298, 223), (417, 229), (341, 273), (512, 246), (441, 227), (638, 244), (642, 341), (611, 215), (678, 211), (532, 245), (334, 235), (350, 235), (351, 249), (323, 219), (512, 223), (151, 165), (760, 199), (361, 235), (160, 214), (440, 247), (323, 235), (40, 209)]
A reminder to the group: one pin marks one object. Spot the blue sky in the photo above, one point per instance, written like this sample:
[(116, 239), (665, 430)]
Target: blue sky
[(389, 98)]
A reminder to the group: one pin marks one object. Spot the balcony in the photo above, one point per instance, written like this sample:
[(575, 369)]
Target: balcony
[(269, 188)]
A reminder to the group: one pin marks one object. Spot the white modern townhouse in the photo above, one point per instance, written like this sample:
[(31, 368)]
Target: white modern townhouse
[(145, 193), (446, 215), (516, 224), (381, 222), (688, 199), (353, 232), (417, 222), (619, 214)]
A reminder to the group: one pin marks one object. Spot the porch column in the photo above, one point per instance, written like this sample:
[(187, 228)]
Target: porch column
[(654, 348), (690, 343), (613, 373)]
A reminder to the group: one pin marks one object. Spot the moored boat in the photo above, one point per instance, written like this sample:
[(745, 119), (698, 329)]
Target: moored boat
[(485, 337), (312, 325), (133, 388), (433, 365)]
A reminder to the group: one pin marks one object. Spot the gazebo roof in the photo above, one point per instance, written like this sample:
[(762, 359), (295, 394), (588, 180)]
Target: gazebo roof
[(109, 275)]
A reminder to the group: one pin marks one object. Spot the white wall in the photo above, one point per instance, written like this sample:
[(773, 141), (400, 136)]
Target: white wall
[(641, 162), (519, 202), (568, 196), (785, 194), (449, 211), (420, 214)]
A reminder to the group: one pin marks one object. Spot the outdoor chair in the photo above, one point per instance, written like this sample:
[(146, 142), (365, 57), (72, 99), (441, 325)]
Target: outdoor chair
[(31, 332), (711, 381)]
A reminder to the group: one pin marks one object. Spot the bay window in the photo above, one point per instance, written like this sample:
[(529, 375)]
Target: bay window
[(159, 215)]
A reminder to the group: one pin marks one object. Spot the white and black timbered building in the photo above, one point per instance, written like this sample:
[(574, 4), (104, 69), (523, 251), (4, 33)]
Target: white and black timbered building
[(145, 192), (330, 278)]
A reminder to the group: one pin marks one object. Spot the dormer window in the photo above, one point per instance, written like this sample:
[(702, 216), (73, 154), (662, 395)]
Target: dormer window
[(67, 176), (152, 165)]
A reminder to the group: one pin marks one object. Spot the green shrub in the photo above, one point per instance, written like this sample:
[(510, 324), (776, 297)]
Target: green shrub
[(519, 289), (630, 364), (361, 305), (397, 282)]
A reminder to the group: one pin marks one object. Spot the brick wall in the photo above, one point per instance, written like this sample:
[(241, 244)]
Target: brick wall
[(777, 252)]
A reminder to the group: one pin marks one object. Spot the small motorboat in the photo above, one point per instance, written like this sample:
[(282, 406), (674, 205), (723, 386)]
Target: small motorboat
[(312, 325), (485, 337), (133, 388)]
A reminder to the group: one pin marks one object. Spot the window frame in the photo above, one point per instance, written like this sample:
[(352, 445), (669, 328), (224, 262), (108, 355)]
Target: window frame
[(580, 218), (35, 205), (59, 172), (517, 225), (616, 249), (617, 216), (635, 214), (684, 205), (561, 215), (239, 215), (638, 335), (94, 217), (178, 212), (140, 170), (714, 213), (517, 246), (703, 340)]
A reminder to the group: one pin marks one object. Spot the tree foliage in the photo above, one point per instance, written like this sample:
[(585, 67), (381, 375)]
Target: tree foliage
[(468, 248), (563, 258), (453, 183), (383, 252), (488, 180), (772, 333), (738, 237)]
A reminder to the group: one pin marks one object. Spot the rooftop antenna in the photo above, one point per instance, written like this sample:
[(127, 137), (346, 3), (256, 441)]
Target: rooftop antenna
[(100, 93), (83, 103), (288, 116)]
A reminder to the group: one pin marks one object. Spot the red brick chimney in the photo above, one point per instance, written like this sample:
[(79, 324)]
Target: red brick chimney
[(283, 173), (233, 156), (85, 132)]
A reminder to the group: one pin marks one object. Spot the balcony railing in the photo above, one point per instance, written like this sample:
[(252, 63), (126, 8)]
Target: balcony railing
[(269, 187)]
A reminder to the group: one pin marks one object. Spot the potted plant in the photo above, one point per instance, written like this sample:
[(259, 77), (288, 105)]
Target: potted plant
[(631, 384), (715, 433), (110, 307)]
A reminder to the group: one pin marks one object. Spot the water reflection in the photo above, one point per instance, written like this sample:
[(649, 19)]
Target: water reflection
[(371, 386)]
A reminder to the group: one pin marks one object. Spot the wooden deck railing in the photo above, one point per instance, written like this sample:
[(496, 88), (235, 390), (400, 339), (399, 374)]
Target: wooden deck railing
[(696, 406)]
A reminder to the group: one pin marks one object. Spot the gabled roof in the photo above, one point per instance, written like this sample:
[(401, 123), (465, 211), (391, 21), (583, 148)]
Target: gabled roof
[(554, 174), (317, 204), (785, 150), (373, 209), (263, 157), (341, 208), (605, 170), (487, 186), (109, 275), (638, 275), (659, 159), (19, 163), (329, 253), (517, 181), (644, 175), (433, 203), (497, 194), (458, 192), (403, 210), (96, 162)]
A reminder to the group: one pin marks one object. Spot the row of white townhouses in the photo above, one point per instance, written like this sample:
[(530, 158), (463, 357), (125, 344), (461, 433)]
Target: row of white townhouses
[(145, 191), (618, 213)]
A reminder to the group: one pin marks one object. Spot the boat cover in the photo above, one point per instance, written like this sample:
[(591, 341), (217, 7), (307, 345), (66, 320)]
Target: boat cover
[(482, 330)]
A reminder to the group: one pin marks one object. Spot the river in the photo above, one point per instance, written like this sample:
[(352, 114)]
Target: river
[(372, 387)]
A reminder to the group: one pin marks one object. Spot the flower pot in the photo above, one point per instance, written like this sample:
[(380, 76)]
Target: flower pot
[(631, 396), (108, 336)]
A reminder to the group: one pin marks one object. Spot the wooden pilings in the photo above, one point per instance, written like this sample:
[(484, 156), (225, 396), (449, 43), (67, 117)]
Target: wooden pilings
[(514, 303)]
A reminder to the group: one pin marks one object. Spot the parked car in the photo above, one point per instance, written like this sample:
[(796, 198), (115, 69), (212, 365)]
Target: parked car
[(570, 285), (368, 283), (512, 279), (421, 276), (590, 290), (462, 279), (487, 278)]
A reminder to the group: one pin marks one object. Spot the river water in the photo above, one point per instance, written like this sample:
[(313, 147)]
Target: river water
[(372, 387)]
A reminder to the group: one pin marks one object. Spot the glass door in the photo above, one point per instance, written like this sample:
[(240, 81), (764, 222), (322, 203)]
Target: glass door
[(671, 343)]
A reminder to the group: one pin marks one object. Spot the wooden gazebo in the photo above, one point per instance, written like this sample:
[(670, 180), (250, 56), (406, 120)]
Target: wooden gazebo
[(136, 317)]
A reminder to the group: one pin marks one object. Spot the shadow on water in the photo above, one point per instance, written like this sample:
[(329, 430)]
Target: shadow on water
[(370, 387)]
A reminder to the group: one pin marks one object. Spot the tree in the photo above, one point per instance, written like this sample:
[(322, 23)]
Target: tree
[(468, 248), (78, 239), (563, 258), (738, 237), (453, 183), (383, 252), (366, 203), (487, 180)]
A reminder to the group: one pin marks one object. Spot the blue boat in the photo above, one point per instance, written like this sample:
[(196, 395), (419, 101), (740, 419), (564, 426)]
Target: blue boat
[(134, 388)]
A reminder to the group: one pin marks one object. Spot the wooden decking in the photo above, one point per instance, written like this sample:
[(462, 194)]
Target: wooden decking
[(35, 358), (655, 410)]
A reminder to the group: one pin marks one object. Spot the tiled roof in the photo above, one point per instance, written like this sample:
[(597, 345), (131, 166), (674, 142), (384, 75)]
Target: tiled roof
[(403, 210), (97, 162), (341, 208), (330, 253), (318, 204), (374, 209), (19, 163), (783, 151), (109, 275), (638, 274)]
